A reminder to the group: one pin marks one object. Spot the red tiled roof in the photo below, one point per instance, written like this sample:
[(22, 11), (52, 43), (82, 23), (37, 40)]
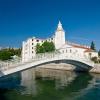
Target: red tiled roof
[(79, 46), (89, 50)]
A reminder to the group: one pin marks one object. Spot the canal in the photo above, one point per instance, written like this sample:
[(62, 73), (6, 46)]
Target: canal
[(49, 84)]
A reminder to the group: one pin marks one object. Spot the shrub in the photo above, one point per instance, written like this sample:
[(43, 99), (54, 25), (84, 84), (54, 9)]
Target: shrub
[(94, 59)]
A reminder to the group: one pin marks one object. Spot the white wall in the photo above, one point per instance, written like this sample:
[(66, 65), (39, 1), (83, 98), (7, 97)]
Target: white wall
[(91, 54), (59, 39)]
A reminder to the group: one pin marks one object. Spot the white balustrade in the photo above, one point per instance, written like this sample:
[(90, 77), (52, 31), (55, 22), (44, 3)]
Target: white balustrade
[(46, 56)]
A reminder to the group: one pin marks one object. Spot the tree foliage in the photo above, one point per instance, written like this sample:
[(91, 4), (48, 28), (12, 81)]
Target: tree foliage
[(93, 46), (45, 47), (39, 48), (94, 59), (99, 53), (6, 54)]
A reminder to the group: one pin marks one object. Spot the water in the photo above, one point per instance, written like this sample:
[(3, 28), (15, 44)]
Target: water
[(47, 84)]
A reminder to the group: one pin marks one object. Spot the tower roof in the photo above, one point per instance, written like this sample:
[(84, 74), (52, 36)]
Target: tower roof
[(59, 23), (59, 28)]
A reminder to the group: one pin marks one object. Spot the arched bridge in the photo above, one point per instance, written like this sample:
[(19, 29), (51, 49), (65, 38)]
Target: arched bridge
[(40, 59)]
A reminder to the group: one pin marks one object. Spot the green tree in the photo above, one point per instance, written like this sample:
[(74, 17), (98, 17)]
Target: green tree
[(99, 53), (93, 46), (39, 48), (17, 52), (5, 55), (51, 46), (45, 47), (94, 59)]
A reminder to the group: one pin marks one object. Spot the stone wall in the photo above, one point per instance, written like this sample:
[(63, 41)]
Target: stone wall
[(69, 67), (96, 69)]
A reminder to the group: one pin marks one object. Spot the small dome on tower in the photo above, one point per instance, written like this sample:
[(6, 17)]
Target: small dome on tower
[(59, 28)]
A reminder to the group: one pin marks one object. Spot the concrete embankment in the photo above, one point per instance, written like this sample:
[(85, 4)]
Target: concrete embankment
[(60, 66), (96, 69), (69, 67)]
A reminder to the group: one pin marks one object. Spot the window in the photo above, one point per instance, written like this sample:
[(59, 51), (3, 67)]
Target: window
[(32, 47), (70, 50), (76, 50), (37, 40), (32, 39), (32, 43), (51, 38), (66, 51), (62, 51), (32, 52)]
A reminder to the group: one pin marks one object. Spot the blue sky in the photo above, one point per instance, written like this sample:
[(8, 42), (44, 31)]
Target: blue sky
[(21, 19)]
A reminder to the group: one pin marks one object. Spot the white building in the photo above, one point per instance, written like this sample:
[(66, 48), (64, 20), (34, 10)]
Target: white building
[(29, 46)]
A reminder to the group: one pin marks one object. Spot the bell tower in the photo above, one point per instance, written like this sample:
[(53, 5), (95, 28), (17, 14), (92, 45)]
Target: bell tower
[(59, 36)]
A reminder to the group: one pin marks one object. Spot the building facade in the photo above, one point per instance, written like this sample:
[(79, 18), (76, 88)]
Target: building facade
[(63, 46)]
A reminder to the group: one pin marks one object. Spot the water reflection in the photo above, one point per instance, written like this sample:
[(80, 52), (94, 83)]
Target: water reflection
[(61, 80), (48, 84), (10, 81), (28, 82)]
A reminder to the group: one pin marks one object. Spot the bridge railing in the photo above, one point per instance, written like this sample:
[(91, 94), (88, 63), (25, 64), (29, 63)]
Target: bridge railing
[(8, 64), (63, 56), (4, 65), (77, 58), (45, 56)]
